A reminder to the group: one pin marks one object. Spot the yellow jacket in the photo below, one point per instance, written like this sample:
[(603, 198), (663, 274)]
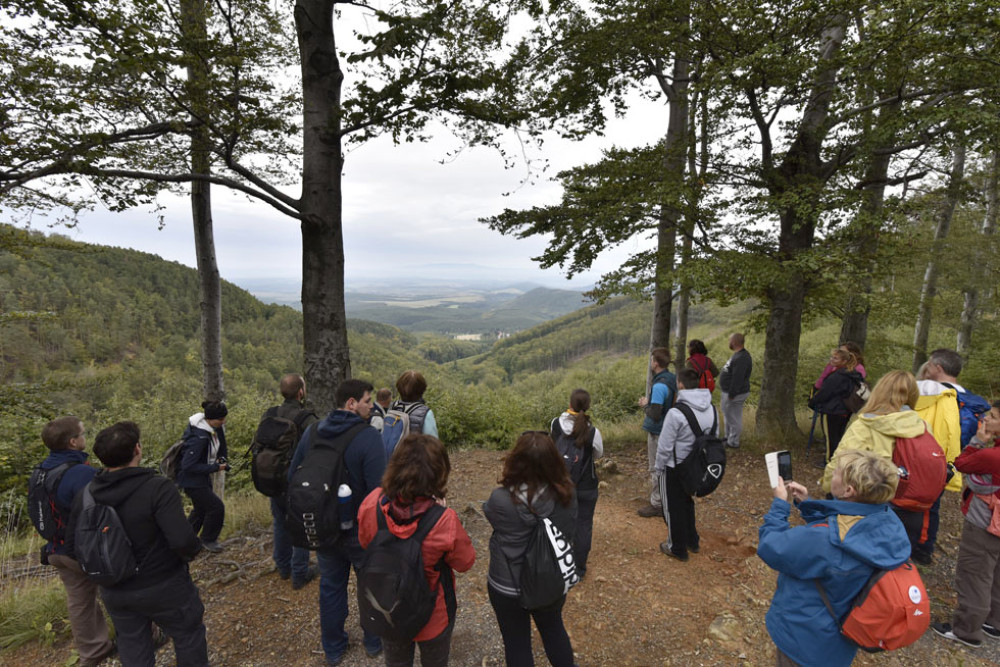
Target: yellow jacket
[(876, 433), (941, 412)]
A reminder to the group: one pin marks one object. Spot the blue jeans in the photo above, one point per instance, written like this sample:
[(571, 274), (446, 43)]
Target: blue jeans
[(286, 557), (335, 570)]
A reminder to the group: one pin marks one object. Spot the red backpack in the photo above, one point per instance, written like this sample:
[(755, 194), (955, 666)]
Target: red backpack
[(923, 472), (705, 378), (890, 612)]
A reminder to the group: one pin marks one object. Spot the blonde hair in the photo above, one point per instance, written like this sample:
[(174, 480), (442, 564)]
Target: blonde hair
[(845, 358), (894, 390), (873, 477)]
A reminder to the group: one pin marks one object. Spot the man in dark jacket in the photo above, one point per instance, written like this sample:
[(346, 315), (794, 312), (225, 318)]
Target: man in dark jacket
[(734, 380), (205, 454), (364, 461), (65, 439), (163, 542), (291, 561)]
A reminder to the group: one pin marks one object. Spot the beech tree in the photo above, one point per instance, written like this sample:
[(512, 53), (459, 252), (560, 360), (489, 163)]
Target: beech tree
[(419, 61)]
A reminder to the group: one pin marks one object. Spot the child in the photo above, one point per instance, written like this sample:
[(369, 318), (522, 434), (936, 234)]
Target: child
[(843, 542), (977, 574), (674, 445)]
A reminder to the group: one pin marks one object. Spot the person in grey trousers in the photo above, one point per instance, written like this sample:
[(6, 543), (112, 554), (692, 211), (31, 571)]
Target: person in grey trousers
[(734, 381)]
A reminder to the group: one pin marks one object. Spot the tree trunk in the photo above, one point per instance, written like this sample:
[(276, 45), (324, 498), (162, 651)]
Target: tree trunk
[(801, 173), (683, 305), (324, 320), (194, 20), (674, 155), (970, 311), (947, 211)]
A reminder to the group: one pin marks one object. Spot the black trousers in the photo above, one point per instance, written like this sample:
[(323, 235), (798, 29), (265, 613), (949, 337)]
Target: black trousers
[(678, 511), (586, 505), (208, 513), (835, 427), (515, 628), (174, 605)]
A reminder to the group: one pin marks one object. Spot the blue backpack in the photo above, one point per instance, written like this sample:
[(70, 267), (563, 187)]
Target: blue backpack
[(395, 427), (971, 408)]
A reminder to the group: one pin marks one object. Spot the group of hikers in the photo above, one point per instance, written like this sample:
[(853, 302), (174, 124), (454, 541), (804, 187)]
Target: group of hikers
[(365, 487)]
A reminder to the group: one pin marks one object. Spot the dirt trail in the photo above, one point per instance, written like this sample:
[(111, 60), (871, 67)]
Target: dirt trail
[(636, 607)]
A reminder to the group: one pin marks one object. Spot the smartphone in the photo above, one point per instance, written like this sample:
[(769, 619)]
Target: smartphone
[(778, 464)]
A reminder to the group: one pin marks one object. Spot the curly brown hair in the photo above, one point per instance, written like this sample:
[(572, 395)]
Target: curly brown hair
[(535, 463), (418, 467)]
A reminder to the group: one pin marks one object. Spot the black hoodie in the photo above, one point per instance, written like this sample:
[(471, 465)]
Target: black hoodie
[(150, 508)]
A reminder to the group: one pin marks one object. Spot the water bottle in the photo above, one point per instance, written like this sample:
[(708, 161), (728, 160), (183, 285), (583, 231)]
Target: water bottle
[(346, 513)]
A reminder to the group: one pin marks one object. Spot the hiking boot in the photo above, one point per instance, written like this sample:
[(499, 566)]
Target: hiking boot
[(665, 549), (213, 546), (285, 574), (922, 559), (649, 511), (309, 576), (694, 549), (990, 631), (944, 629), (95, 661)]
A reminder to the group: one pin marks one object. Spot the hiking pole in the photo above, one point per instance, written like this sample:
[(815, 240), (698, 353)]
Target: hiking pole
[(812, 430)]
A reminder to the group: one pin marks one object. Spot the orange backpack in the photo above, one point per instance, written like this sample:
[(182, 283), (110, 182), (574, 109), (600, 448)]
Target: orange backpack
[(890, 612)]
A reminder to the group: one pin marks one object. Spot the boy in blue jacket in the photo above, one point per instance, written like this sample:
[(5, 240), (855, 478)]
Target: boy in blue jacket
[(843, 542)]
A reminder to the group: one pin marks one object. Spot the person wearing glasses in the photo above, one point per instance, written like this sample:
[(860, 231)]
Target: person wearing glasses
[(68, 471), (534, 485)]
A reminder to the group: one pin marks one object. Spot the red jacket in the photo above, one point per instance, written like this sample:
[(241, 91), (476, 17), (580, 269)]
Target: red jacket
[(447, 538)]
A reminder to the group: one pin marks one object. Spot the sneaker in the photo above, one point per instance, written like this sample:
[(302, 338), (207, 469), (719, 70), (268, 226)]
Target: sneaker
[(944, 629), (212, 546), (310, 575), (694, 549), (95, 661), (649, 511), (665, 549), (921, 558), (991, 631), (333, 662)]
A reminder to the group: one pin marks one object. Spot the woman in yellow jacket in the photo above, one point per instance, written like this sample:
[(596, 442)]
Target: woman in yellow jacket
[(888, 414)]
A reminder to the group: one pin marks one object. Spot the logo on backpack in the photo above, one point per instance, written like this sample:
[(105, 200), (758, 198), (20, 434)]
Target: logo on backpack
[(394, 598), (271, 451), (890, 612), (548, 569), (857, 398), (703, 468), (101, 545), (170, 464), (313, 513), (42, 508)]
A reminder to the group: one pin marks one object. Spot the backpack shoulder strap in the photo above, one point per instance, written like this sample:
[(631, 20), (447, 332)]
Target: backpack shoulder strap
[(692, 421), (826, 602), (428, 521)]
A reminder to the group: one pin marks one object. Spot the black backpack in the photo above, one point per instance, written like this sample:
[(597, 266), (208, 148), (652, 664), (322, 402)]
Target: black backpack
[(574, 457), (42, 508), (272, 449), (548, 569), (101, 545), (702, 470), (394, 598), (312, 518)]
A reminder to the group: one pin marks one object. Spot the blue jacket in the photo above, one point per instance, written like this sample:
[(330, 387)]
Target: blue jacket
[(661, 392), (841, 545), (73, 480), (197, 463), (364, 458)]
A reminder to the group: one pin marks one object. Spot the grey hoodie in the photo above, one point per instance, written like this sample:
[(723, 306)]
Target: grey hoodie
[(677, 434)]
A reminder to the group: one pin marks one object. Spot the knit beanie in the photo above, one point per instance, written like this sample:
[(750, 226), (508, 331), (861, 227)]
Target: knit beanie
[(214, 409)]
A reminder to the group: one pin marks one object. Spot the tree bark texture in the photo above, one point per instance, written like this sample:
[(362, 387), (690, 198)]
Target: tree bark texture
[(921, 331), (194, 20), (802, 170), (326, 355), (983, 261)]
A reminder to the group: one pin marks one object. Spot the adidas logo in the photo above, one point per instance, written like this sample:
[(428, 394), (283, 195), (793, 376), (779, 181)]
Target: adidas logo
[(917, 612)]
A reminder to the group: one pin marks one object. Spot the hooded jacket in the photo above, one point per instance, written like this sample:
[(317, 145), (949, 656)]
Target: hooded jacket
[(513, 524), (202, 446), (677, 435), (364, 458), (841, 545), (150, 509), (447, 540), (837, 386), (877, 434), (938, 406)]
